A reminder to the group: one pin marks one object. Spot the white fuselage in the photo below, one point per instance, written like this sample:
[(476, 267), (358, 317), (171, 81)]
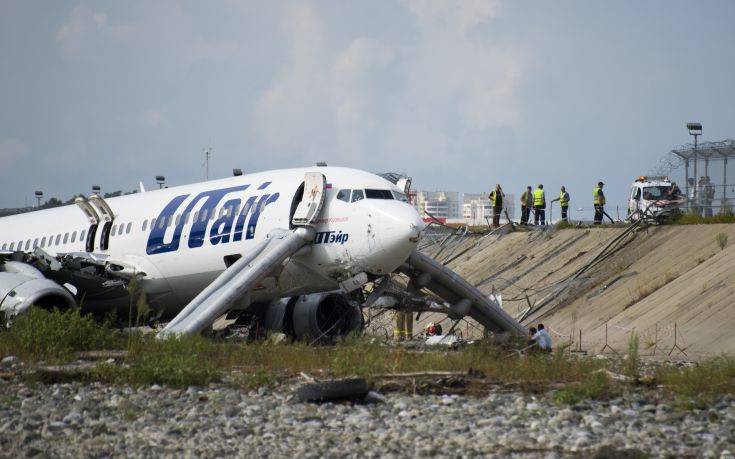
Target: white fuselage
[(180, 236)]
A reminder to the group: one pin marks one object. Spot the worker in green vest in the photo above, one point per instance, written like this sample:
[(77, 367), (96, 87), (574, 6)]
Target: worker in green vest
[(564, 203), (496, 197), (599, 202), (526, 205), (539, 205)]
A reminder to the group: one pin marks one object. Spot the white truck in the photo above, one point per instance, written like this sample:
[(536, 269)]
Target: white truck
[(655, 196)]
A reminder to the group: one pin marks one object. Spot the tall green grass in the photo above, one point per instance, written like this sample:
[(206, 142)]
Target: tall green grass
[(55, 335)]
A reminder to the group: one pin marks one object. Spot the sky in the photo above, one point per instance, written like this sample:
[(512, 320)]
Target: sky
[(460, 95)]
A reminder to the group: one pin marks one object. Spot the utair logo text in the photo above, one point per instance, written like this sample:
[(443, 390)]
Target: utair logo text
[(227, 227)]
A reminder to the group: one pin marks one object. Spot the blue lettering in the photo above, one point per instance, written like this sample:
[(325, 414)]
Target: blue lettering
[(262, 202), (237, 235), (222, 227), (199, 227), (155, 239)]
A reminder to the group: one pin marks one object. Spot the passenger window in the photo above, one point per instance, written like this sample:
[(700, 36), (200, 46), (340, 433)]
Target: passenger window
[(344, 195), (153, 223), (204, 215), (114, 228), (122, 228), (35, 243), (145, 225), (66, 238), (43, 242), (378, 194), (81, 235), (196, 216), (3, 247), (58, 239), (128, 228), (162, 223), (28, 244), (357, 195), (178, 219), (11, 245), (73, 236)]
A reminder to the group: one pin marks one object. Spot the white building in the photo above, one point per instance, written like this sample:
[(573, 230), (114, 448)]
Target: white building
[(455, 207), (440, 204), (477, 209)]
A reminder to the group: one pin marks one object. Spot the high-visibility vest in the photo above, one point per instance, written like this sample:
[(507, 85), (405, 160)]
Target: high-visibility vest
[(496, 198), (599, 196), (539, 197), (564, 198)]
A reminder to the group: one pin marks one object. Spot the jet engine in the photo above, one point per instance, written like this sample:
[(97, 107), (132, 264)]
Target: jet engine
[(23, 286), (315, 317)]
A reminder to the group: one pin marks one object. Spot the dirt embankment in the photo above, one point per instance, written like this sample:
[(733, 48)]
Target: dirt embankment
[(658, 277)]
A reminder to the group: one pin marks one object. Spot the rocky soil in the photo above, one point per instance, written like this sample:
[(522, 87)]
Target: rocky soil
[(80, 420)]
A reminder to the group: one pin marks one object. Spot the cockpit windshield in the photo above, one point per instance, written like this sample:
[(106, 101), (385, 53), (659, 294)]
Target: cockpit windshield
[(378, 194), (349, 195)]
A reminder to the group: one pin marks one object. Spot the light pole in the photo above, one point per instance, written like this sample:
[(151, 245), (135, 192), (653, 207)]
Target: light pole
[(39, 195), (695, 129), (161, 180)]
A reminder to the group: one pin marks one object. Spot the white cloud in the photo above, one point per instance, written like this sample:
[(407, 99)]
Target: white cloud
[(374, 97), (85, 28), (452, 15), (12, 150)]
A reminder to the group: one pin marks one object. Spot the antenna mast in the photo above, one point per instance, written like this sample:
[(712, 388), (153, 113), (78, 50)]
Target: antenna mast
[(207, 156)]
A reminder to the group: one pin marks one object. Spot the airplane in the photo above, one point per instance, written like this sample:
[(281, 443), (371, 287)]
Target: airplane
[(288, 247)]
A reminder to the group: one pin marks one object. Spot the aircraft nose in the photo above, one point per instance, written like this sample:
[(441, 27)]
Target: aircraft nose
[(399, 231)]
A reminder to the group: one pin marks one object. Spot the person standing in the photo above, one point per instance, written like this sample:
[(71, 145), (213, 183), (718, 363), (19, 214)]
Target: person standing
[(564, 203), (539, 205), (526, 205), (701, 197), (599, 202), (709, 188), (496, 197)]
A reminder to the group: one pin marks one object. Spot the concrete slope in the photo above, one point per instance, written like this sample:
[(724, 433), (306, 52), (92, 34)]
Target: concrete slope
[(661, 276)]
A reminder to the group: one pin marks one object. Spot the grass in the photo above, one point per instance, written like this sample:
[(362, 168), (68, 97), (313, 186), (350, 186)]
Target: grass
[(699, 385), (692, 219), (179, 362), (55, 336), (721, 240)]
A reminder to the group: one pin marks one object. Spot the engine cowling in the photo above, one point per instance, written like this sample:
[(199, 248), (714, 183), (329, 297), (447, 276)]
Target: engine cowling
[(315, 317), (22, 286), (325, 316)]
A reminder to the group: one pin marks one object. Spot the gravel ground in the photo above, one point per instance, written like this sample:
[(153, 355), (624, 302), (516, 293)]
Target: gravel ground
[(79, 420)]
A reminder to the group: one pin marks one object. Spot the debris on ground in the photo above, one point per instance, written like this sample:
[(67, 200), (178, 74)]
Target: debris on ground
[(351, 389)]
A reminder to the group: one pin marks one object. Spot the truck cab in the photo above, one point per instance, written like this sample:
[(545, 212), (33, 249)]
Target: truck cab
[(652, 195)]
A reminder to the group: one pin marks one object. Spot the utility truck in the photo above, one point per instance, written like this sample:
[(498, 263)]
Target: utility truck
[(654, 196)]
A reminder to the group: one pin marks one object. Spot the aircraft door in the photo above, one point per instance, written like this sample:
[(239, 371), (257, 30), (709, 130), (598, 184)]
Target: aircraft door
[(106, 212), (312, 200), (92, 218)]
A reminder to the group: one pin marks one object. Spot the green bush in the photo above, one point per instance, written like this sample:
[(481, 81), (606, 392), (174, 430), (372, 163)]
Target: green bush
[(55, 335), (632, 364), (721, 240), (594, 386)]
